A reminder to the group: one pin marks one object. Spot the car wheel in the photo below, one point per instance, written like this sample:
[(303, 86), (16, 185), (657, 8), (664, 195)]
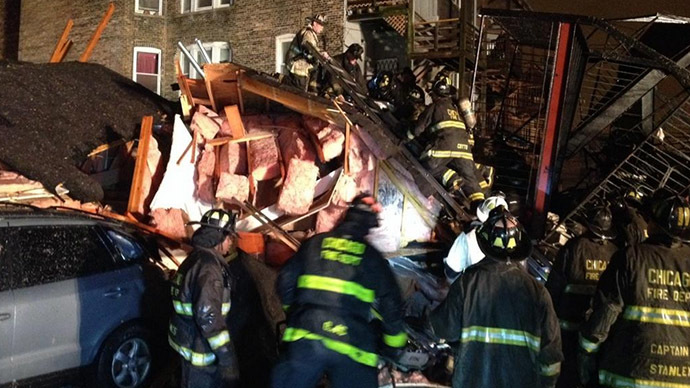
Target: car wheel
[(126, 359)]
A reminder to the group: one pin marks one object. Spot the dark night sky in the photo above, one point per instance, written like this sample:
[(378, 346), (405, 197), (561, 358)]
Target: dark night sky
[(613, 8)]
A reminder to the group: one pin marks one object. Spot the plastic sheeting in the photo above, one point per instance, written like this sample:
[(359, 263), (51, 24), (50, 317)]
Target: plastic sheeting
[(177, 188)]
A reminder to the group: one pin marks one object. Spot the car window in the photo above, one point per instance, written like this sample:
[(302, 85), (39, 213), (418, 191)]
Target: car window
[(46, 254), (4, 264), (130, 249)]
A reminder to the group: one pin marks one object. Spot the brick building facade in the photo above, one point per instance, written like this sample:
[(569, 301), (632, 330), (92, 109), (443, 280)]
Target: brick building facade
[(250, 27)]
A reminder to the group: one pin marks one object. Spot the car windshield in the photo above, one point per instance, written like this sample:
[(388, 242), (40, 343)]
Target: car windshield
[(130, 249)]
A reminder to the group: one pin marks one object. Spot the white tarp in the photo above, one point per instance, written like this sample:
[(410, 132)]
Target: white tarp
[(177, 188)]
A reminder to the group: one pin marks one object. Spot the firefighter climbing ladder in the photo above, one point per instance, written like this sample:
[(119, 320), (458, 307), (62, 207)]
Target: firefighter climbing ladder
[(386, 121)]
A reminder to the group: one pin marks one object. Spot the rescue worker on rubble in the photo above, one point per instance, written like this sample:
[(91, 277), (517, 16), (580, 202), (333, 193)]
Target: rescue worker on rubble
[(465, 250), (299, 60), (201, 300), (501, 316), (327, 289), (573, 280), (348, 61), (627, 216), (638, 332), (449, 156)]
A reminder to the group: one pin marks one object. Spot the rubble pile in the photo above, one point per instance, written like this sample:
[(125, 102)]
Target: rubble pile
[(60, 112)]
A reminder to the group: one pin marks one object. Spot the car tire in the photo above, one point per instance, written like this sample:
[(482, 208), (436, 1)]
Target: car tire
[(126, 359)]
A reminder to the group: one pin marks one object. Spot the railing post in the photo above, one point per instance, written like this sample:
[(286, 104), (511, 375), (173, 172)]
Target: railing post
[(410, 28)]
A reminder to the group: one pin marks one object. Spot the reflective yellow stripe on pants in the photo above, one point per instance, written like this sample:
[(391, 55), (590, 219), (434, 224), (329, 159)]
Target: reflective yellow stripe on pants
[(293, 334)]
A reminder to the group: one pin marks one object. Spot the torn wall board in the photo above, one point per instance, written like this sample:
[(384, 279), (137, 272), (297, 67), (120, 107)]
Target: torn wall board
[(177, 188)]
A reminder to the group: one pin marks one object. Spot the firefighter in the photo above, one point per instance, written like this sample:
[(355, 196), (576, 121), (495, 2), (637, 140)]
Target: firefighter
[(639, 332), (449, 156), (348, 62), (465, 250), (628, 218), (573, 280), (201, 300), (501, 316), (327, 289), (299, 60)]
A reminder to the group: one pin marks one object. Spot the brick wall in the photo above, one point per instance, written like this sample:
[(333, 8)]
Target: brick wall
[(250, 26), (9, 28)]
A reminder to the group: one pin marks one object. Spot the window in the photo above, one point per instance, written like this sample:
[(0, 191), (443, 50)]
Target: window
[(203, 5), (149, 7), (47, 254), (126, 245), (146, 68), (282, 47), (219, 52)]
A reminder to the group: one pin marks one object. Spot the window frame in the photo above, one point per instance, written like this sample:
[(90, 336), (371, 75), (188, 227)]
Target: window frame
[(194, 6), (280, 56), (149, 50), (193, 49), (143, 11)]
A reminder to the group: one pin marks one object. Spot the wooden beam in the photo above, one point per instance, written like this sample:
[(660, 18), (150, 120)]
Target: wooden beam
[(240, 98), (229, 140), (135, 193), (232, 113), (61, 42), (65, 49), (97, 34)]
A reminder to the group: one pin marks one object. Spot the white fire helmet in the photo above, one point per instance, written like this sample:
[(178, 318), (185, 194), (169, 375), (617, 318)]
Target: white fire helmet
[(489, 204)]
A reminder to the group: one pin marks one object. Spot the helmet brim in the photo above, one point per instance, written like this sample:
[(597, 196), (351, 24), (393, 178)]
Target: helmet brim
[(229, 232), (606, 234), (521, 252)]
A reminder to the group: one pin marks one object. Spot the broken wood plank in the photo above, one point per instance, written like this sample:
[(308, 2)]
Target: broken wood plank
[(135, 194), (234, 118), (65, 49), (60, 46), (108, 146), (229, 140), (346, 161), (97, 34), (194, 142)]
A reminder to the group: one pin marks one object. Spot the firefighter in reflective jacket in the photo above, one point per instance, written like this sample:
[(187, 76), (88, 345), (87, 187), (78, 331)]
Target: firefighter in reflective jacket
[(627, 217), (327, 289), (573, 280), (299, 60), (502, 317), (201, 300), (449, 157), (639, 329)]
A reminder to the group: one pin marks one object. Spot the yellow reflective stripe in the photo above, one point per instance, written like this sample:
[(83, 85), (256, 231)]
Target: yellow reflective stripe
[(447, 124), (344, 245), (197, 359), (580, 289), (613, 380), (495, 335), (323, 283), (363, 357), (182, 308), (376, 314), (225, 308), (219, 339), (587, 345), (450, 154), (657, 315), (395, 341), (476, 196), (447, 176), (483, 184), (550, 370)]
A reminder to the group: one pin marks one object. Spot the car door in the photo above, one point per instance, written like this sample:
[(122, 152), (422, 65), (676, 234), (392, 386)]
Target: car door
[(7, 314), (56, 269)]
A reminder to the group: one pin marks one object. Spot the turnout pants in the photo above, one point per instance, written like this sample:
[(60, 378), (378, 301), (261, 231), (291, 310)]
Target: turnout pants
[(456, 174), (298, 81), (307, 361), (204, 377)]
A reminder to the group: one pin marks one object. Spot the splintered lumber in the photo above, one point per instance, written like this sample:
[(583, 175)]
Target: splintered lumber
[(234, 118), (97, 34), (136, 197), (62, 44), (227, 140)]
